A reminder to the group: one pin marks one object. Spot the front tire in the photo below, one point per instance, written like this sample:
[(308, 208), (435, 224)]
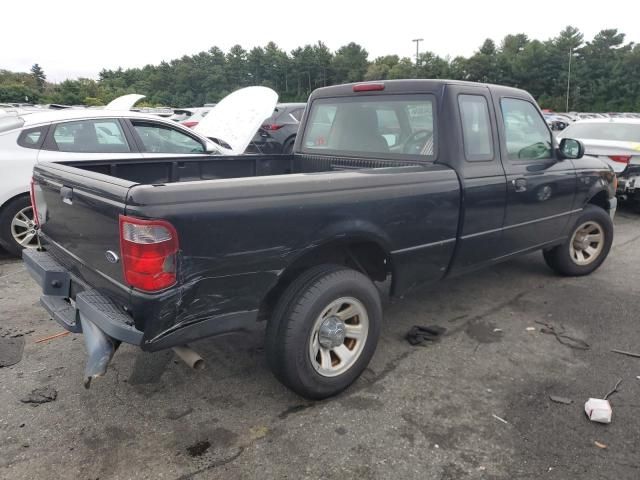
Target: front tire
[(324, 331), (587, 247), (17, 226)]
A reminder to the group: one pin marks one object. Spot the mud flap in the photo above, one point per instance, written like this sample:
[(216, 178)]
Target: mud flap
[(100, 350)]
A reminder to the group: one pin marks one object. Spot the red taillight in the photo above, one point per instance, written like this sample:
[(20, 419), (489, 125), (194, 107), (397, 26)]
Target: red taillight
[(32, 194), (190, 124), (620, 158), (272, 126), (368, 87), (148, 249)]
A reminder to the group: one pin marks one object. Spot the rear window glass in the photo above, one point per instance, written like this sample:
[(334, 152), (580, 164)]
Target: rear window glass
[(33, 137), (621, 132), (385, 126)]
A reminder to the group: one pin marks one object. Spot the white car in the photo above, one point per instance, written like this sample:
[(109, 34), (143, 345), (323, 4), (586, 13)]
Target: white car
[(88, 134), (614, 140), (617, 142)]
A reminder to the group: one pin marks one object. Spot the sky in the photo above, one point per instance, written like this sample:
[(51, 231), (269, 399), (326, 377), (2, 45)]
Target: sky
[(71, 38)]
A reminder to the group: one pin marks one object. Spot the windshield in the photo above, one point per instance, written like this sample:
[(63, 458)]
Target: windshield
[(10, 122), (621, 132), (388, 126)]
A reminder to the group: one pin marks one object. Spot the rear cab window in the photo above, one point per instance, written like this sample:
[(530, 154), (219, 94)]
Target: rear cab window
[(383, 126)]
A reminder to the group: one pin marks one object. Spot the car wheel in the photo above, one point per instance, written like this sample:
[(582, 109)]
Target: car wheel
[(17, 226), (587, 246), (324, 331)]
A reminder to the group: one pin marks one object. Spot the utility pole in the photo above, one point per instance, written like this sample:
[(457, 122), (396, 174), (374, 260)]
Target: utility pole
[(417, 40), (569, 78)]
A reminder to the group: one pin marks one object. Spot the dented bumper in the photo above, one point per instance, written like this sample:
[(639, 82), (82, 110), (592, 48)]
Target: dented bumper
[(103, 324)]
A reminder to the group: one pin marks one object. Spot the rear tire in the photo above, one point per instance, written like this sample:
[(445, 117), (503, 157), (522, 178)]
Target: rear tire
[(16, 225), (324, 331), (587, 246)]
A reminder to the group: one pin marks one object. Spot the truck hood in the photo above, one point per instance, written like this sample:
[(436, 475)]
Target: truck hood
[(238, 116), (123, 103)]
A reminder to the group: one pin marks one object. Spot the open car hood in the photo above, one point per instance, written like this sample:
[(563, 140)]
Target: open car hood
[(123, 103), (238, 116)]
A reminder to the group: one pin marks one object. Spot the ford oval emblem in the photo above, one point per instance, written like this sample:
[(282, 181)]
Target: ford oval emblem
[(112, 257)]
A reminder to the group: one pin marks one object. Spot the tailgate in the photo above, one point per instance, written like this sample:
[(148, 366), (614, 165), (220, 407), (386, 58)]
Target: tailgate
[(79, 212)]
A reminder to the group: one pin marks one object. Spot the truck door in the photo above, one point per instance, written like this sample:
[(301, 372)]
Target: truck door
[(476, 152), (540, 188)]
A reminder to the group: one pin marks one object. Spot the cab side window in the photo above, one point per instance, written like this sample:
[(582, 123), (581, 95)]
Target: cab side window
[(476, 127), (527, 135)]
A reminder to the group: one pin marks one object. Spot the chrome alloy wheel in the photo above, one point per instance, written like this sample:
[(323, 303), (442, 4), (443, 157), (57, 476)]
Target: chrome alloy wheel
[(586, 243), (23, 228), (338, 336)]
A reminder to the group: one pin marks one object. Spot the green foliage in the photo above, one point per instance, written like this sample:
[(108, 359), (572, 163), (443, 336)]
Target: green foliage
[(38, 76), (603, 73)]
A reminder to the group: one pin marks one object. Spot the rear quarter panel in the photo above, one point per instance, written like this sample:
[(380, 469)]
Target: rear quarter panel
[(238, 235)]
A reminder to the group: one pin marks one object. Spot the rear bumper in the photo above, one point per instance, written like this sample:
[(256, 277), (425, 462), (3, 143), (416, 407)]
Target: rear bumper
[(72, 301), (90, 305)]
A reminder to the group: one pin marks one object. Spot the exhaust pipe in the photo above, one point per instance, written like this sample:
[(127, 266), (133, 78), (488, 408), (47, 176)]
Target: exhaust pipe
[(100, 349), (190, 357)]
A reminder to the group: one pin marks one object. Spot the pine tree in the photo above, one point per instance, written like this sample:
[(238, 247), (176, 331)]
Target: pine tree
[(38, 74)]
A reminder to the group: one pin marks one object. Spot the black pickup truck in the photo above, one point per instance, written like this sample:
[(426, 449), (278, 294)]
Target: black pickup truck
[(412, 180)]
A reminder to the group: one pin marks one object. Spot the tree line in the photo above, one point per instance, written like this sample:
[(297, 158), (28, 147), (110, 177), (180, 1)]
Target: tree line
[(604, 73)]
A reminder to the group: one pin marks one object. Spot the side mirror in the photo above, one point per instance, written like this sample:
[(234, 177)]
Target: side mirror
[(570, 148), (211, 147)]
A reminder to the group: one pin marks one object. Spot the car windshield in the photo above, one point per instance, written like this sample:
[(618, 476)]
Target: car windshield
[(393, 126), (621, 132), (10, 122)]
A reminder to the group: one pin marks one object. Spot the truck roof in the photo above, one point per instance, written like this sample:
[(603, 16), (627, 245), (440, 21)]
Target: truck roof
[(410, 86)]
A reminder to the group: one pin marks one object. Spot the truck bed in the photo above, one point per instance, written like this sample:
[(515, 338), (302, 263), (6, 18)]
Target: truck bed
[(208, 167)]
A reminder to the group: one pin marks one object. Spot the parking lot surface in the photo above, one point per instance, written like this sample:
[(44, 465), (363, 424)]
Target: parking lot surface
[(474, 405)]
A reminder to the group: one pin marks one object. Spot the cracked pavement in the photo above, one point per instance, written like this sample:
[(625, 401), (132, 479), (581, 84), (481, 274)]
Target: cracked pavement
[(417, 412)]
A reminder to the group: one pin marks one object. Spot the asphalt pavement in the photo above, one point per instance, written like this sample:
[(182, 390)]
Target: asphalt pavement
[(475, 405)]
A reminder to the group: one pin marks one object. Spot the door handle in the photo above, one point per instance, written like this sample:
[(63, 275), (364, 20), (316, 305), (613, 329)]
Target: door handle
[(519, 184), (66, 193)]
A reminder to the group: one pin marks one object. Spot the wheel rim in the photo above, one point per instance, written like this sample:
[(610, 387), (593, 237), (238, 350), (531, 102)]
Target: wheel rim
[(338, 336), (23, 228), (586, 243)]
